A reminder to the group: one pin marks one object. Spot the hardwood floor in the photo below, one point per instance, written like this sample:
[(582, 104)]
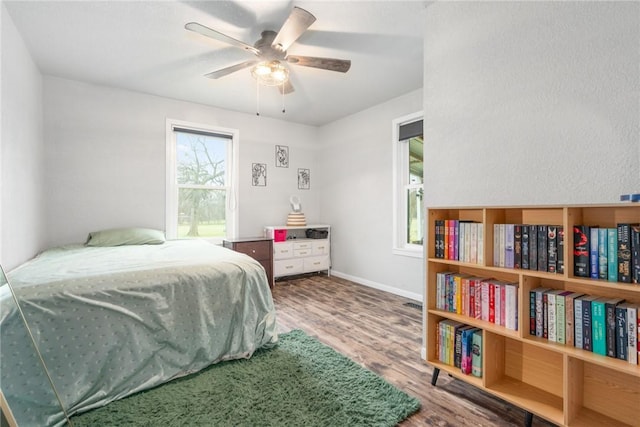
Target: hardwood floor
[(380, 332)]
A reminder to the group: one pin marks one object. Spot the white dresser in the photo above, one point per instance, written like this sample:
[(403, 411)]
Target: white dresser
[(298, 250)]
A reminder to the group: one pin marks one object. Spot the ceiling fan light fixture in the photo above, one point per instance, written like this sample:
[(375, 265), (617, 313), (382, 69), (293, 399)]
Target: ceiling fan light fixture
[(270, 73)]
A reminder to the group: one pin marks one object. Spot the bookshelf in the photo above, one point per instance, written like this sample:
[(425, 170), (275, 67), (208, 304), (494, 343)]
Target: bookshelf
[(563, 384)]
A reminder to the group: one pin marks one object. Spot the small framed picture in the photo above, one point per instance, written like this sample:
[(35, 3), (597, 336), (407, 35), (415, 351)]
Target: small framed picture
[(259, 174), (282, 156), (304, 179)]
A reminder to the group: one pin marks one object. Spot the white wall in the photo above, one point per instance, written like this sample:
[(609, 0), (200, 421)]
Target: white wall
[(531, 102), (356, 197), (22, 227), (105, 156)]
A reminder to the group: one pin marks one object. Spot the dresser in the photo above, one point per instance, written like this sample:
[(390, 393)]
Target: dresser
[(258, 248), (300, 249)]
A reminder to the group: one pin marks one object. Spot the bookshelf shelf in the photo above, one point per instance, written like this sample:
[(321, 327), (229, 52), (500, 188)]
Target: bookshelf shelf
[(556, 381)]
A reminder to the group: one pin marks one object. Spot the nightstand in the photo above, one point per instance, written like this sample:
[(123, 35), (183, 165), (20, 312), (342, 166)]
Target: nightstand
[(258, 248)]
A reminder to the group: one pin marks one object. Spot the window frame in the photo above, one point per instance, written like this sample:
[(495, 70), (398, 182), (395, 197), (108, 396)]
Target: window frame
[(231, 179), (400, 159)]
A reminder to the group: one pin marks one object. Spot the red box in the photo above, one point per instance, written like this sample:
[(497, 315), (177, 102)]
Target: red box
[(279, 235)]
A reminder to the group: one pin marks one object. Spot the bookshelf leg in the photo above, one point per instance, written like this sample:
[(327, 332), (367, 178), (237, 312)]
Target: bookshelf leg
[(434, 377), (528, 418)]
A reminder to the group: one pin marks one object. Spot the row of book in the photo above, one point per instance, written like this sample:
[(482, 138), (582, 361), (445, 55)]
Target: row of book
[(481, 298), (459, 240), (606, 326), (460, 345), (611, 254), (529, 247)]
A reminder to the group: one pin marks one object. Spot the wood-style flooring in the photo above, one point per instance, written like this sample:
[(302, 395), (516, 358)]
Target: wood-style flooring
[(381, 332)]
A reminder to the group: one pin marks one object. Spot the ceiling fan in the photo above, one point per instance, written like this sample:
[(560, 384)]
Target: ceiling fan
[(271, 51)]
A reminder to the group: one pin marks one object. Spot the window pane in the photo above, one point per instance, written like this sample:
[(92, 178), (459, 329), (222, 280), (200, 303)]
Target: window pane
[(414, 216), (201, 213), (201, 159), (416, 159)]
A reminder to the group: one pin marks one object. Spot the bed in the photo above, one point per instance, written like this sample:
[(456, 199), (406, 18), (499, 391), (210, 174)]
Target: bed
[(112, 321)]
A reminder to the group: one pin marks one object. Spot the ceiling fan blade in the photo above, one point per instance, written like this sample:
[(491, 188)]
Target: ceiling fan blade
[(331, 64), (216, 35), (296, 24), (232, 69), (287, 88)]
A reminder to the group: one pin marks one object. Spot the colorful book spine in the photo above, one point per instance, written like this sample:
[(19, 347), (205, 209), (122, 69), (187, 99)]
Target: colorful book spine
[(587, 337), (533, 247), (581, 251), (525, 247), (598, 326), (632, 333), (551, 309), (635, 253), (610, 319), (577, 323), (517, 246), (552, 249), (560, 249), (593, 253), (622, 339), (476, 358), (480, 249), (612, 254), (603, 260), (502, 228), (570, 318), (561, 320), (624, 253), (543, 249), (511, 306)]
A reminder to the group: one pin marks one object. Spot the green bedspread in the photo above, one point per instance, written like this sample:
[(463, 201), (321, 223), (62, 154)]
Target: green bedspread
[(112, 321)]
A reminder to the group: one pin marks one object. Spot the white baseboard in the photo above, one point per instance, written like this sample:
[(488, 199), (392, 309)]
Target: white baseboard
[(379, 286)]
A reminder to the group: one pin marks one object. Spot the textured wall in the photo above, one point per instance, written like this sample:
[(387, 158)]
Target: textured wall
[(531, 102)]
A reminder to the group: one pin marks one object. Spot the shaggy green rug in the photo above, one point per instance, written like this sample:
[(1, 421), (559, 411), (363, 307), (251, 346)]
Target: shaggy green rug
[(299, 382)]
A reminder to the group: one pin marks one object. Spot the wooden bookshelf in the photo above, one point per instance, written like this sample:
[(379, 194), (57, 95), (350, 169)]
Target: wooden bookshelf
[(558, 382)]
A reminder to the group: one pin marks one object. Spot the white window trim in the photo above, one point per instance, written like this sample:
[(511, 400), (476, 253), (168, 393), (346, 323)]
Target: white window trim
[(399, 199), (171, 189)]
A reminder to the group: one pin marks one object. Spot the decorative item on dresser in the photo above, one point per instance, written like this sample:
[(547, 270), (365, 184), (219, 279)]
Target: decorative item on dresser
[(540, 322), (303, 249), (258, 248)]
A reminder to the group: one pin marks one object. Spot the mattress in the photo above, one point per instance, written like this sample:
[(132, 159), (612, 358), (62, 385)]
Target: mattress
[(113, 321)]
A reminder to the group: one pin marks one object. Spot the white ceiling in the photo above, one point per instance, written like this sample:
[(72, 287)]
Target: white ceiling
[(143, 46)]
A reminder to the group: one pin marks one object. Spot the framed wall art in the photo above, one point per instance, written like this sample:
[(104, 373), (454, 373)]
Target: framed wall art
[(304, 179), (282, 156), (259, 174)]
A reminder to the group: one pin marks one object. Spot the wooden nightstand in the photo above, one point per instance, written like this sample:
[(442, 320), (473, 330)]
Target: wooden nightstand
[(258, 248)]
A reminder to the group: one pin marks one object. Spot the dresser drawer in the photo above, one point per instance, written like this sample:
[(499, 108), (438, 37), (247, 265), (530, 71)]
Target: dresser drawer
[(316, 263), (302, 245), (288, 266), (320, 247), (256, 250), (282, 250)]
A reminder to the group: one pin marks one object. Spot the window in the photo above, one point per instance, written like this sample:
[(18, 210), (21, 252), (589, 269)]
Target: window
[(201, 181), (408, 210)]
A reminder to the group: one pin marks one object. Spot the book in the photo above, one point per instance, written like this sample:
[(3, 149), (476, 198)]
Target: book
[(552, 249), (467, 345), (511, 306), (632, 333), (569, 303), (525, 247), (624, 253), (476, 358), (581, 251), (561, 320), (612, 254), (610, 320), (587, 337), (517, 246), (539, 310), (593, 253), (635, 253), (456, 238), (622, 339), (439, 225), (551, 313), (445, 239), (598, 326), (560, 237), (577, 323), (533, 247), (509, 245), (457, 357), (501, 244), (603, 247), (496, 245), (543, 233), (480, 249)]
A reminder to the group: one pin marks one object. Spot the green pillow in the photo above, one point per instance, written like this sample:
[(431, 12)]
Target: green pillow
[(126, 236)]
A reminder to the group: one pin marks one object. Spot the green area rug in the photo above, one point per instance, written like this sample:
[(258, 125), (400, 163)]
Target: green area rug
[(299, 382)]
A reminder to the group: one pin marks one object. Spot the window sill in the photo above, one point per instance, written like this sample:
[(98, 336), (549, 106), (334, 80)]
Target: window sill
[(410, 252)]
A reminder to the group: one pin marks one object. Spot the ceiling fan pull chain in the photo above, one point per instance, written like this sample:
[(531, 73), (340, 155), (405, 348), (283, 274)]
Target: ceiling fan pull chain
[(283, 110), (257, 98)]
